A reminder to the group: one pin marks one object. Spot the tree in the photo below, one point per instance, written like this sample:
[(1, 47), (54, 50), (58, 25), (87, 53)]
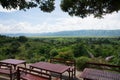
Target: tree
[(12, 50), (14, 47), (53, 52), (81, 8), (81, 62), (22, 39), (66, 55), (80, 50), (44, 5)]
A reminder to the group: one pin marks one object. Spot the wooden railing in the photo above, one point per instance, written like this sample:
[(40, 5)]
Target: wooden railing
[(103, 66)]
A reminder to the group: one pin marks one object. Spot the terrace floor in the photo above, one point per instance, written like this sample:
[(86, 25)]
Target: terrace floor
[(54, 76)]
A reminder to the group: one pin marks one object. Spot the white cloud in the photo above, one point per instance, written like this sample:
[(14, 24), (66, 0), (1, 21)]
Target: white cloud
[(61, 24)]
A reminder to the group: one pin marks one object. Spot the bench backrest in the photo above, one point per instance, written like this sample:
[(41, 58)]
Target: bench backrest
[(69, 62), (103, 66), (5, 66), (7, 70), (36, 74)]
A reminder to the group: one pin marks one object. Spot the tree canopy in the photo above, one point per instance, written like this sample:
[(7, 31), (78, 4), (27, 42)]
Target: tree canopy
[(44, 5), (81, 8)]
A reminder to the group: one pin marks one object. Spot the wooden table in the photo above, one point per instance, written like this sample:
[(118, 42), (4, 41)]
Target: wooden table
[(94, 74), (13, 62), (56, 68)]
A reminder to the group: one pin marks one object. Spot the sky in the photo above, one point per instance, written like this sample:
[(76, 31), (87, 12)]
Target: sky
[(36, 21)]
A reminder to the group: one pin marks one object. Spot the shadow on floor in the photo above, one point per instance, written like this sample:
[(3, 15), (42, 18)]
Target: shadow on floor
[(3, 79), (64, 77), (54, 77)]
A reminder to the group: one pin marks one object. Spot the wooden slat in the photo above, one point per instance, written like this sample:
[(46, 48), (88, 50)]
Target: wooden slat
[(68, 62), (100, 64), (7, 70), (29, 74), (95, 74)]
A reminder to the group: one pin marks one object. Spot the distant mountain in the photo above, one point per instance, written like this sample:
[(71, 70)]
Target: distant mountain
[(72, 33)]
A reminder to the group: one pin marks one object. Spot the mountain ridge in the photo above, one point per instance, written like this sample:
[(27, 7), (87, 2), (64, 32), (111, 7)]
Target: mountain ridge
[(71, 33)]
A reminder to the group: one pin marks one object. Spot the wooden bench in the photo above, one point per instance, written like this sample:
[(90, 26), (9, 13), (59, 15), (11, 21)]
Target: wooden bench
[(68, 62), (29, 74), (98, 71), (7, 70)]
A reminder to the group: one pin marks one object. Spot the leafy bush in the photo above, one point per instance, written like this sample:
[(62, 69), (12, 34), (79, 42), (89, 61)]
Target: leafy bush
[(80, 50), (99, 60), (116, 59), (66, 55), (22, 39), (81, 61), (53, 53)]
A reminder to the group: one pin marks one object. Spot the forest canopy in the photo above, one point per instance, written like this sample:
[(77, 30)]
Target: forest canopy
[(80, 8), (34, 49)]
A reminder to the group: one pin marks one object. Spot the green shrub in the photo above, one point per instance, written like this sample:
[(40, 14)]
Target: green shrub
[(81, 61), (66, 55), (99, 60), (80, 49), (53, 53)]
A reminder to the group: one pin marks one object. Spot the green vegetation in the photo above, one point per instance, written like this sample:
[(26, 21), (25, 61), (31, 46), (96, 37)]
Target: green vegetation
[(81, 62), (83, 49)]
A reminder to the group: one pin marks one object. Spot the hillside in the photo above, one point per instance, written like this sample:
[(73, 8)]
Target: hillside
[(35, 49)]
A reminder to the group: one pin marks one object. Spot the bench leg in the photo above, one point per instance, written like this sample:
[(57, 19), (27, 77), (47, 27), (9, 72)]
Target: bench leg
[(10, 76)]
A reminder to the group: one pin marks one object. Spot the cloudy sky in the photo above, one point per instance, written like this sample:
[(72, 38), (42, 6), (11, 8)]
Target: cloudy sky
[(36, 21)]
